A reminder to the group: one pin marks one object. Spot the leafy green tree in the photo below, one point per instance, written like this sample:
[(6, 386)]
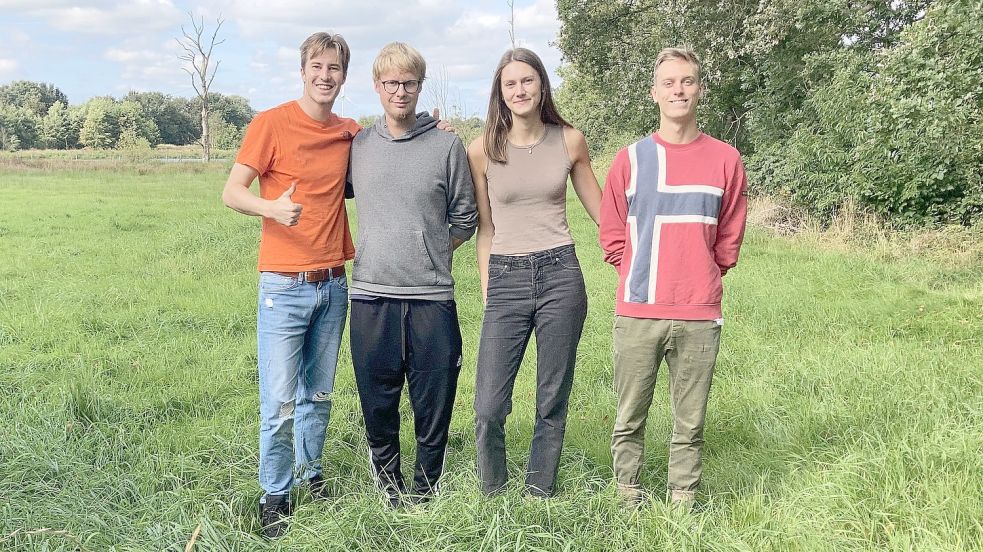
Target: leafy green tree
[(898, 131), (36, 97), (234, 110), (20, 123), (57, 130), (173, 116), (129, 139), (224, 135), (100, 127), (8, 139), (752, 52), (136, 122)]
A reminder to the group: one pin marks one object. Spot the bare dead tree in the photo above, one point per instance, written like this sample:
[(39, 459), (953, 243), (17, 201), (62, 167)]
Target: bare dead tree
[(198, 54), (511, 4), (438, 90), (460, 107)]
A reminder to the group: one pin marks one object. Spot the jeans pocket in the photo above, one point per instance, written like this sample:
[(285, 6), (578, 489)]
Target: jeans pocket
[(271, 282), (342, 282), (568, 260), (496, 270)]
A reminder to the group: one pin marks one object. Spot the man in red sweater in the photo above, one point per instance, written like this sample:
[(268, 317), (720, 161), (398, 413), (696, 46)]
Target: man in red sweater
[(672, 222)]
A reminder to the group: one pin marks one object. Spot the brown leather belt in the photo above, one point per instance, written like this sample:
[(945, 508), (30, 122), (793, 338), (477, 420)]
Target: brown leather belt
[(319, 275)]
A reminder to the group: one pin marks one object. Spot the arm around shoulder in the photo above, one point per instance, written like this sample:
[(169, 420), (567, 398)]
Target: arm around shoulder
[(461, 213)]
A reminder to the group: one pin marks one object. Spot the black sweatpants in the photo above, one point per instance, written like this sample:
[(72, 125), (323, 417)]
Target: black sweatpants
[(393, 340)]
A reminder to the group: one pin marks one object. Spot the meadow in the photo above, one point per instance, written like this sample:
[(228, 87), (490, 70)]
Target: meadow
[(846, 413)]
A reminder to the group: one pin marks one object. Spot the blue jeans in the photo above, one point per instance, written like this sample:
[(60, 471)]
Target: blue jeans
[(299, 327)]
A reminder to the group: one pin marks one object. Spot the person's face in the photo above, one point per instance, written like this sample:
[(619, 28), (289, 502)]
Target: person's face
[(400, 104), (323, 77), (522, 89), (676, 90)]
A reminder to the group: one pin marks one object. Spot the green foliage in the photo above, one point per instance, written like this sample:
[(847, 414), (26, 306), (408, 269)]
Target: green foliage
[(872, 102), (234, 110), (173, 116), (135, 122), (227, 119), (20, 123), (223, 134), (467, 129), (8, 139), (36, 97), (100, 127), (581, 102), (367, 120), (130, 139), (898, 132), (57, 128), (37, 115), (612, 47)]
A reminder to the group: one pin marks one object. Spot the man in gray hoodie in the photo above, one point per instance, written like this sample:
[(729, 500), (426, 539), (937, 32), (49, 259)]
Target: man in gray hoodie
[(415, 202)]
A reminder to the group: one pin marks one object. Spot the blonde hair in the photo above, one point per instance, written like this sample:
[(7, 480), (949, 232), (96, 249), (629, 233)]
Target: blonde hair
[(399, 56), (680, 53), (317, 43)]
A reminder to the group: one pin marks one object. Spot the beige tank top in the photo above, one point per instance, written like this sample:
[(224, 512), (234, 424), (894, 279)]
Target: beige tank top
[(528, 196)]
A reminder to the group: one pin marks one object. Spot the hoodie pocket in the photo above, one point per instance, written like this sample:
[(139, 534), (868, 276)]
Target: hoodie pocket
[(440, 259), (394, 258)]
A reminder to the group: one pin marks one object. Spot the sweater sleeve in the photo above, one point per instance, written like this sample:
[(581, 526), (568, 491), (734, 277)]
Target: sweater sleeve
[(462, 211), (614, 209), (731, 221)]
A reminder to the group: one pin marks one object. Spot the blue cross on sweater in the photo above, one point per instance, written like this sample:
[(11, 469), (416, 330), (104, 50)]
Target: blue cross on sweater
[(651, 204)]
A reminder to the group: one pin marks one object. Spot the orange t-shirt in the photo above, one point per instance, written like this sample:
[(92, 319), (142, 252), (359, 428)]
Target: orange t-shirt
[(284, 145)]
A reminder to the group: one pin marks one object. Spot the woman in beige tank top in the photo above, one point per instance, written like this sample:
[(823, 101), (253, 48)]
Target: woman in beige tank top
[(530, 277)]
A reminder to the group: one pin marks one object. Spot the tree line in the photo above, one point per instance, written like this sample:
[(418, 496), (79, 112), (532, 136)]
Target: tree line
[(876, 102), (38, 115)]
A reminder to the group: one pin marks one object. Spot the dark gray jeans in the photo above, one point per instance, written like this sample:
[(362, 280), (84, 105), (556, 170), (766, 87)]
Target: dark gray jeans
[(542, 292)]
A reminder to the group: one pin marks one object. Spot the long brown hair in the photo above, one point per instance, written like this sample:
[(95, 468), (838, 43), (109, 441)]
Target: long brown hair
[(499, 119)]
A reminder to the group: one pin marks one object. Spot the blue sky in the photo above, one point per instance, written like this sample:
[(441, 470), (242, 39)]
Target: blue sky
[(108, 47)]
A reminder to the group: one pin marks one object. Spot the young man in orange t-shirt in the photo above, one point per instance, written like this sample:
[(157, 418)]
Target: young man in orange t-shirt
[(299, 152)]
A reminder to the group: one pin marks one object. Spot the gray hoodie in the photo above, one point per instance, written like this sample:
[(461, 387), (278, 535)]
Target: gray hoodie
[(412, 194)]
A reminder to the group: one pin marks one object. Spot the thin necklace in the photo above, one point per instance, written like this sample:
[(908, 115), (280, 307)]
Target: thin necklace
[(529, 147)]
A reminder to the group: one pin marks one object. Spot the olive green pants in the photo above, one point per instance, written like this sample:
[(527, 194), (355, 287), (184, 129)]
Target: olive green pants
[(690, 351)]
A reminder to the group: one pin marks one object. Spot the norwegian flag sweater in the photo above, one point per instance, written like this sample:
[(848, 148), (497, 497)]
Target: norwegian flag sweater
[(672, 222)]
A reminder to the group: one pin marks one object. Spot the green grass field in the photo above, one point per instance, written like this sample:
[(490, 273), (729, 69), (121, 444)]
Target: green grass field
[(847, 410)]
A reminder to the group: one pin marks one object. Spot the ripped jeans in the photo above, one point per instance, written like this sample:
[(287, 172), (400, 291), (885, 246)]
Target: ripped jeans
[(298, 330)]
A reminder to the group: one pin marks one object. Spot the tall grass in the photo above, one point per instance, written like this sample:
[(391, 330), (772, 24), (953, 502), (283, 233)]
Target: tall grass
[(847, 410)]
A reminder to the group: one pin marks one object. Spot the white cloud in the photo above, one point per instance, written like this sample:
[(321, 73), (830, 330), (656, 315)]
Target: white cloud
[(129, 44), (131, 56), (8, 67), (101, 18), (145, 65)]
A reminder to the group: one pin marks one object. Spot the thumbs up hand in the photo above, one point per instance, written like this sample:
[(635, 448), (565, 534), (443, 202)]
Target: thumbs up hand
[(284, 210)]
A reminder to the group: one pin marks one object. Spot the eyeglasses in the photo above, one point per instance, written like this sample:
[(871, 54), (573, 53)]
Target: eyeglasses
[(392, 86)]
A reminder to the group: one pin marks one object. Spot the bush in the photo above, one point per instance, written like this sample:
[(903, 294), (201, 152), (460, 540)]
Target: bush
[(899, 132)]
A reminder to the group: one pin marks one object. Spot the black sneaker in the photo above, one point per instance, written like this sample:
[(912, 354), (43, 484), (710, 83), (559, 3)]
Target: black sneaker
[(393, 496), (420, 498), (273, 514)]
